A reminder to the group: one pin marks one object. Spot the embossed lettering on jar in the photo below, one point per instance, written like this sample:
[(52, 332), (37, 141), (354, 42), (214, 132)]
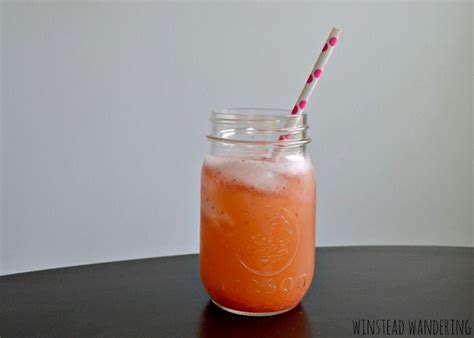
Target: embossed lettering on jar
[(258, 199)]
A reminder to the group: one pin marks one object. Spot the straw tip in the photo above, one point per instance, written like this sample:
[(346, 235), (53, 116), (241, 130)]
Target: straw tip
[(336, 31)]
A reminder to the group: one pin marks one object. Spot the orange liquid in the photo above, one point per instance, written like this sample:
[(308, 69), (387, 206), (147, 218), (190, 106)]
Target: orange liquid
[(257, 234)]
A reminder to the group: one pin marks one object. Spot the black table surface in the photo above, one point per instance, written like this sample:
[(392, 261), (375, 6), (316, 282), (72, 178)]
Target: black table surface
[(163, 297)]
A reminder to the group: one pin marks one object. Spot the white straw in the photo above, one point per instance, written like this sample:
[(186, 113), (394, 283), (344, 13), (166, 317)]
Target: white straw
[(317, 71), (313, 79)]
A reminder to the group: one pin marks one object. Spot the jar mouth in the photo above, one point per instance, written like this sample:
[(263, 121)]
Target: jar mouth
[(259, 126), (251, 114)]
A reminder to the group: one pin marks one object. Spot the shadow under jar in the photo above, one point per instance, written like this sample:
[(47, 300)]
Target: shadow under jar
[(258, 211)]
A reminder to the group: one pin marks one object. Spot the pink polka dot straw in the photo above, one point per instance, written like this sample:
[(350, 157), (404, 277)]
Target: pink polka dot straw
[(315, 75), (317, 71)]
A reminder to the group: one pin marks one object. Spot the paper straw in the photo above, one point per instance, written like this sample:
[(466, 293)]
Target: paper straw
[(314, 77)]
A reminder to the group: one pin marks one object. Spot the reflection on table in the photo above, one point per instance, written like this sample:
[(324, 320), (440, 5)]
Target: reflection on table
[(215, 322)]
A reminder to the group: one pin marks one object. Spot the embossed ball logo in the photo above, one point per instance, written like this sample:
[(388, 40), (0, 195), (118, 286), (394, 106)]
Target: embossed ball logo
[(271, 248)]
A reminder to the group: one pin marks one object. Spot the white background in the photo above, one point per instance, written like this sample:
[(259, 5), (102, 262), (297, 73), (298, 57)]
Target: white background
[(105, 110)]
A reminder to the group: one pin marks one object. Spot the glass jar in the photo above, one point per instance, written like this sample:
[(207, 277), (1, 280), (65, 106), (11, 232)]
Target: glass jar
[(258, 211)]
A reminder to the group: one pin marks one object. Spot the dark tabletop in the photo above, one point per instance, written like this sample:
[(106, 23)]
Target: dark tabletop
[(163, 297)]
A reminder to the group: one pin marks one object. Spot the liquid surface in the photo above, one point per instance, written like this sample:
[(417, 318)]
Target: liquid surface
[(257, 232)]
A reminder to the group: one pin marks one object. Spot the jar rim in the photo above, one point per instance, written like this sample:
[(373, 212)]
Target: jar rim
[(290, 124), (253, 114)]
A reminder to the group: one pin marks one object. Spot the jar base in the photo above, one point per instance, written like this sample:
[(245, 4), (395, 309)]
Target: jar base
[(252, 314)]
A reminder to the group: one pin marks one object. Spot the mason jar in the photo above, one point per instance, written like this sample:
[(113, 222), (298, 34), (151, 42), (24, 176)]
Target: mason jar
[(258, 211)]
